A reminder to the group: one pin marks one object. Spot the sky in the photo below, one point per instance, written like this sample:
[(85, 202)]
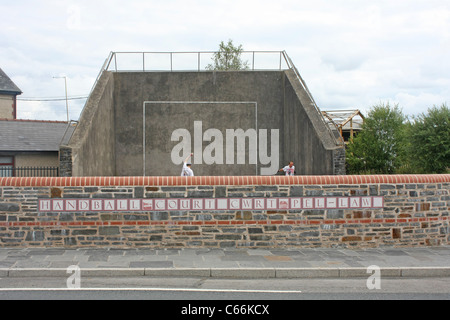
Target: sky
[(352, 54)]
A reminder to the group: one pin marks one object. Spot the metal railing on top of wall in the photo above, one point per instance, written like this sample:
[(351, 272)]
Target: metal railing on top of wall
[(188, 61), (191, 61)]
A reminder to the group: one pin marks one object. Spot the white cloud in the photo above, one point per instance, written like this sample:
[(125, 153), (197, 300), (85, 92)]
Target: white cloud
[(350, 53)]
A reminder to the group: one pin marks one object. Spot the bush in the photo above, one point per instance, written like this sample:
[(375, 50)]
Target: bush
[(429, 150), (379, 147), (389, 143)]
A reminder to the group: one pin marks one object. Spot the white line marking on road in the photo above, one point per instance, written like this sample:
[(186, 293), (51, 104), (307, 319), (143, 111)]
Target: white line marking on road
[(151, 289)]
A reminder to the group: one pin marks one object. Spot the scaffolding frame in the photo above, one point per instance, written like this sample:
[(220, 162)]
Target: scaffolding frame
[(342, 118)]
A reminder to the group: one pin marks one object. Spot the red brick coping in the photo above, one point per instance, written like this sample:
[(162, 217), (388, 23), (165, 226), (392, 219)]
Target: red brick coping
[(222, 180)]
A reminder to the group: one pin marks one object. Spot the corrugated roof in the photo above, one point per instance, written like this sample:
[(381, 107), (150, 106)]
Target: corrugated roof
[(7, 85), (30, 135)]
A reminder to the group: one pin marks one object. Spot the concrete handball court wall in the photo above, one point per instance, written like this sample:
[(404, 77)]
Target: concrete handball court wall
[(246, 211), (112, 138)]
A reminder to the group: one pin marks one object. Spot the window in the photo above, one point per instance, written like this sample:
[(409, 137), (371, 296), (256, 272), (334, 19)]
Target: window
[(6, 166)]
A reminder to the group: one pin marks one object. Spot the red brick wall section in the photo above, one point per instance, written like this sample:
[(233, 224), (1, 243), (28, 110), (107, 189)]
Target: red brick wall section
[(222, 180), (414, 212)]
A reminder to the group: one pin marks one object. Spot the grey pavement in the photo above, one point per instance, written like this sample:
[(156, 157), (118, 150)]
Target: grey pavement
[(227, 263)]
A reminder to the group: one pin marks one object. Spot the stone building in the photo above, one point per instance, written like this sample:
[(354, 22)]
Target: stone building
[(8, 97)]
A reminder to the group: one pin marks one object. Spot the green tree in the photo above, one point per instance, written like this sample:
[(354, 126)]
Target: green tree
[(228, 58), (429, 149), (379, 147)]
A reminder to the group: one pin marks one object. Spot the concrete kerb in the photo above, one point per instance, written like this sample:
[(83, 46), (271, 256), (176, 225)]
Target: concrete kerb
[(363, 272), (418, 272), (307, 273), (178, 272), (235, 273), (243, 273)]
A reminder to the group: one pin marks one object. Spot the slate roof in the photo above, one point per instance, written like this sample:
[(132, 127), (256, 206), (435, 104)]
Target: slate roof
[(7, 85), (31, 135)]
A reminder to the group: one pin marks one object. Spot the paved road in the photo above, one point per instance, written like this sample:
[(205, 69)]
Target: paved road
[(220, 274), (256, 298), (191, 289)]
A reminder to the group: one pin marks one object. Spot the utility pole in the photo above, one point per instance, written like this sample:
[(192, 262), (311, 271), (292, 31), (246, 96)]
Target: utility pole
[(67, 100)]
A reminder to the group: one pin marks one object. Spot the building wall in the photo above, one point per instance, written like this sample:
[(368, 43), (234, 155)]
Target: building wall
[(307, 140), (132, 89), (113, 138), (414, 212), (91, 149), (7, 106), (48, 159)]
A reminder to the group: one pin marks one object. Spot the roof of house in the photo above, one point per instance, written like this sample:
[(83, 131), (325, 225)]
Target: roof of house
[(7, 85), (33, 135)]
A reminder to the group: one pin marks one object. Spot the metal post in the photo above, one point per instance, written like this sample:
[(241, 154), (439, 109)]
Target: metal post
[(143, 139), (67, 100), (280, 61), (143, 61), (253, 61)]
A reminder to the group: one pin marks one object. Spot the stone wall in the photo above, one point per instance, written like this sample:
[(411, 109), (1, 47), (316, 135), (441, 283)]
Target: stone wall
[(339, 161), (65, 161), (60, 212), (7, 106)]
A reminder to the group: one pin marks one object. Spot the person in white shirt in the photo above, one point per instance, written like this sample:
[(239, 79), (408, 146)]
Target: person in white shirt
[(187, 171), (289, 170)]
